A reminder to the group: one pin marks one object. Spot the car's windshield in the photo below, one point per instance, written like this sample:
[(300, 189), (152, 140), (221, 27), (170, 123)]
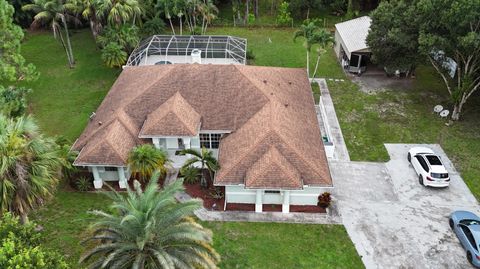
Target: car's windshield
[(440, 175), (469, 222), (433, 160)]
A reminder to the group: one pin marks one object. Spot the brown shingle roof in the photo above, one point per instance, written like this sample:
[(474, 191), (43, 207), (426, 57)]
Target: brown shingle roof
[(273, 170), (262, 107), (175, 117)]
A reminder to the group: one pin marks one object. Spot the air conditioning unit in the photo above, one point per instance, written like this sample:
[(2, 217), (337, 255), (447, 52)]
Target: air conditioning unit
[(196, 56)]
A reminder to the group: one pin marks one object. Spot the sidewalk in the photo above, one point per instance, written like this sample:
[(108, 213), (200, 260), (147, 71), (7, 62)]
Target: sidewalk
[(341, 152)]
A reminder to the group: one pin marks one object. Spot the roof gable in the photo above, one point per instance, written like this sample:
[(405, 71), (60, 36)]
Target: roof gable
[(175, 117), (273, 170)]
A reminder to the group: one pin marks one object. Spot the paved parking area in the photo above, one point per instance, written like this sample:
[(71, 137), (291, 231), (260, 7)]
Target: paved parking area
[(395, 222)]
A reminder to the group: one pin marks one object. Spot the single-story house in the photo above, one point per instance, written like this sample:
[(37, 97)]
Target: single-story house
[(259, 121), (350, 44)]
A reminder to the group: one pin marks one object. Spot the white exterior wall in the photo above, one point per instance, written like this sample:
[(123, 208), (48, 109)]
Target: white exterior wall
[(337, 43), (238, 194), (307, 196)]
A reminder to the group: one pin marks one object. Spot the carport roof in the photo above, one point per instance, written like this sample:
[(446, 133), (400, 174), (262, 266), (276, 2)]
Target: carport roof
[(354, 34)]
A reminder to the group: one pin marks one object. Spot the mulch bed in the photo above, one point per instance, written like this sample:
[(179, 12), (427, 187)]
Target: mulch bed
[(196, 191)]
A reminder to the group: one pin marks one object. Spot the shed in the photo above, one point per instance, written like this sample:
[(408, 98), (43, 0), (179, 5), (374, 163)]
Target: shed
[(350, 43)]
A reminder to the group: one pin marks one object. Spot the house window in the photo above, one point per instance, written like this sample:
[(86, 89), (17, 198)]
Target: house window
[(205, 141), (210, 141), (111, 169), (215, 140)]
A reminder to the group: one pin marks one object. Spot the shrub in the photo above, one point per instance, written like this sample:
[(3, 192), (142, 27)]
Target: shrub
[(20, 247), (153, 26), (125, 35), (13, 101), (190, 174), (324, 200), (83, 184), (113, 55), (217, 193), (250, 55), (284, 17), (25, 233)]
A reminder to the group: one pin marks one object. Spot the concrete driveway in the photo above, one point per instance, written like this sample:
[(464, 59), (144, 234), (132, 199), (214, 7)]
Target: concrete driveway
[(395, 222)]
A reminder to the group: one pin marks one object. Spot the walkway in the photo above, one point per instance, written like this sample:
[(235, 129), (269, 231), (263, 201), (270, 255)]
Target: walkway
[(341, 152)]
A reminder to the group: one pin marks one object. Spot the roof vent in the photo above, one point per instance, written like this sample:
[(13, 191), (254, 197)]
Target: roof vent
[(286, 105), (100, 123), (289, 83), (196, 56), (265, 81)]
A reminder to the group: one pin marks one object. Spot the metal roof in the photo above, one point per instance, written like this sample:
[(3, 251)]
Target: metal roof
[(354, 34)]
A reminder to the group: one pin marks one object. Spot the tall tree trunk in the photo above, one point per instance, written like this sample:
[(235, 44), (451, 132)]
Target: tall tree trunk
[(181, 25), (247, 9), (308, 12), (203, 180), (62, 41), (171, 24), (69, 45), (315, 70), (457, 110), (308, 63), (256, 8), (23, 218)]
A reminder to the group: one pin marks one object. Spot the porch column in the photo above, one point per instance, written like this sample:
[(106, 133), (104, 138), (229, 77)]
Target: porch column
[(122, 180), (186, 143), (359, 61), (286, 202), (156, 142), (258, 201), (97, 181)]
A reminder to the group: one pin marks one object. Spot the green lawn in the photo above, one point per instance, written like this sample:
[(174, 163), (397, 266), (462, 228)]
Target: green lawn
[(62, 101), (241, 245), (273, 245), (405, 116), (63, 98)]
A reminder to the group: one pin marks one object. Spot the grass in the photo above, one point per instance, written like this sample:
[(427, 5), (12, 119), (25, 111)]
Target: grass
[(273, 245), (275, 47), (242, 245), (63, 98), (368, 120), (62, 101)]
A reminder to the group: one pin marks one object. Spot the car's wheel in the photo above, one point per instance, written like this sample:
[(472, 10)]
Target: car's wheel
[(409, 157), (469, 257), (450, 222), (420, 180)]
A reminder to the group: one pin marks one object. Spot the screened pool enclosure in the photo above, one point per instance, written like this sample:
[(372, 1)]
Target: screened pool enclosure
[(167, 49)]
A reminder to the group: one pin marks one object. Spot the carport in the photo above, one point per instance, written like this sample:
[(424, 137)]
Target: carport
[(350, 44)]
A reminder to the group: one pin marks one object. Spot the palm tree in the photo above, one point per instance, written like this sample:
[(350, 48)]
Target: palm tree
[(119, 11), (209, 13), (145, 160), (29, 166), (308, 32), (150, 229), (323, 39), (53, 13), (205, 158), (88, 10)]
